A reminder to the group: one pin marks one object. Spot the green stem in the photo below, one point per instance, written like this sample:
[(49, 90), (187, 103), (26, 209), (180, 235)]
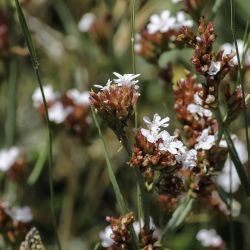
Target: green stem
[(231, 222), (133, 50), (240, 78), (233, 153), (35, 65), (38, 166)]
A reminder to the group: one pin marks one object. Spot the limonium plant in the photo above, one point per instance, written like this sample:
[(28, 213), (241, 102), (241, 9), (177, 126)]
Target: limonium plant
[(132, 164)]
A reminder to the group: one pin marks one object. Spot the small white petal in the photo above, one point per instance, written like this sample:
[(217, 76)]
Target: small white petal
[(86, 22), (214, 68)]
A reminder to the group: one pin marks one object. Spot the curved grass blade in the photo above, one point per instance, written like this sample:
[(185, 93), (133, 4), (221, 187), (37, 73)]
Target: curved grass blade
[(233, 153), (38, 166), (35, 65), (233, 30), (179, 216)]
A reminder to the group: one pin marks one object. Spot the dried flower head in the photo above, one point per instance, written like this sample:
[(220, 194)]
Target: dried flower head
[(120, 237), (115, 102)]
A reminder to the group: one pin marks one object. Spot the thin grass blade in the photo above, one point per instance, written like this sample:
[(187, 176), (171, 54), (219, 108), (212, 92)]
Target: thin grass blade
[(179, 216)]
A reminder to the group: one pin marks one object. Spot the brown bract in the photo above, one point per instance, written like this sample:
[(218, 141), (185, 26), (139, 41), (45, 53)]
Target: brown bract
[(184, 92), (115, 105), (120, 230), (148, 158), (147, 239)]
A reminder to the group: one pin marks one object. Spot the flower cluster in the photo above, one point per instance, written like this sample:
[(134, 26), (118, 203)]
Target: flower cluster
[(69, 109), (117, 235), (193, 113), (13, 162), (205, 60), (14, 222), (210, 239), (156, 150), (116, 101), (162, 32), (165, 22), (120, 237)]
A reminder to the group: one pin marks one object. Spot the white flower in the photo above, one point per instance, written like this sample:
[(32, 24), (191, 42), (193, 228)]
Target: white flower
[(229, 48), (49, 93), (188, 158), (138, 46), (176, 1), (105, 235), (57, 113), (86, 22), (210, 99), (170, 144), (8, 157), (78, 97), (161, 23), (214, 68), (157, 122), (19, 214), (105, 87), (197, 109), (205, 141), (197, 99), (209, 238), (154, 127), (182, 21), (126, 79), (224, 178), (22, 214)]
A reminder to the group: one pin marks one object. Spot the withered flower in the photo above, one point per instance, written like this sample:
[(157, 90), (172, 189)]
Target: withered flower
[(120, 230), (148, 241)]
